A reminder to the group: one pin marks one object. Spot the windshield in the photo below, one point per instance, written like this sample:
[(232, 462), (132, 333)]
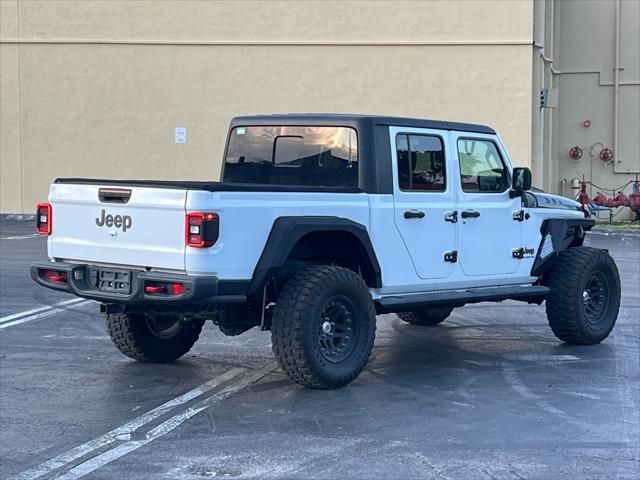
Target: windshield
[(277, 155)]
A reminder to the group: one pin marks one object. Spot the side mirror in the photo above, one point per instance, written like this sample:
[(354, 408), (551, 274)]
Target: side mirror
[(521, 181)]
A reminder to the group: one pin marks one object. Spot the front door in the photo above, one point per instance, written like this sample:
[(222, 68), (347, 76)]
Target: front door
[(488, 233), (424, 199)]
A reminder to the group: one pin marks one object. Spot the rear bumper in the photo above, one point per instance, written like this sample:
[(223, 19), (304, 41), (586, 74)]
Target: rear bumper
[(197, 289)]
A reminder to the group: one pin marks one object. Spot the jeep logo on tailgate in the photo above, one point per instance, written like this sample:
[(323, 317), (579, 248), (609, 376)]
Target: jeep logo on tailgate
[(118, 221)]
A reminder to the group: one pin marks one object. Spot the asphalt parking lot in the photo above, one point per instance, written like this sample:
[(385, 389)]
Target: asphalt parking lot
[(490, 393)]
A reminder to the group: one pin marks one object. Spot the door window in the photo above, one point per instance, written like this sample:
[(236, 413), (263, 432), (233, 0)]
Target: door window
[(481, 166), (421, 163)]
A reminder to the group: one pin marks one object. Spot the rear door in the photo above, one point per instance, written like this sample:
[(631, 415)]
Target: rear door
[(134, 226), (487, 231), (424, 200)]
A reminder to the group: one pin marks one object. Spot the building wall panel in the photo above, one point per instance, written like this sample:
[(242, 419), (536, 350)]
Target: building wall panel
[(319, 20), (104, 84)]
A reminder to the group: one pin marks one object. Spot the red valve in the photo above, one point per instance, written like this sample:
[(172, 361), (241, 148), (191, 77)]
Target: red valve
[(575, 153), (606, 154)]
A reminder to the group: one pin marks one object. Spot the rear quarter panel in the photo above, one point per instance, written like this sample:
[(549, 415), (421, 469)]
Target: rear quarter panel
[(246, 219)]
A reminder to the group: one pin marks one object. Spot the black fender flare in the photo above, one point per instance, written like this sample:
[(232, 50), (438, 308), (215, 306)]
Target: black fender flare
[(287, 231), (558, 235)]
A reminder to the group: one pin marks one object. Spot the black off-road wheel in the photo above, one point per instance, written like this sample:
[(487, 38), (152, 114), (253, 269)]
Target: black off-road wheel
[(432, 316), (582, 306), (149, 337), (323, 327)]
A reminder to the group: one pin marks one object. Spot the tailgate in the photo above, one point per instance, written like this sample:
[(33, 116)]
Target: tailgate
[(96, 223)]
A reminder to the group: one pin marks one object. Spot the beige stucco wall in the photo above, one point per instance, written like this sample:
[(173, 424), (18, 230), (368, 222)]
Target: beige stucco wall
[(97, 88)]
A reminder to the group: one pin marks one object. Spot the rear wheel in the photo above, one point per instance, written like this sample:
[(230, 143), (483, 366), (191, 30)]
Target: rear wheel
[(432, 316), (323, 327), (150, 337), (584, 299)]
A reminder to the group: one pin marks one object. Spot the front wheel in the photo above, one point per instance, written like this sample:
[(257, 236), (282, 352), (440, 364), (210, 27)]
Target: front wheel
[(151, 337), (323, 327), (584, 298)]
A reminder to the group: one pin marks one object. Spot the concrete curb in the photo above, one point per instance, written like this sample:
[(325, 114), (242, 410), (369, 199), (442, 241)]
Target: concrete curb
[(617, 231)]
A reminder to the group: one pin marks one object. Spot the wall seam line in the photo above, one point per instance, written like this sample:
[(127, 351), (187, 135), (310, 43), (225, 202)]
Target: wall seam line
[(269, 43), (20, 121)]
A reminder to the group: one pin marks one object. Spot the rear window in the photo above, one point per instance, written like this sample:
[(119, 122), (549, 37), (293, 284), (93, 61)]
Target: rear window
[(305, 156)]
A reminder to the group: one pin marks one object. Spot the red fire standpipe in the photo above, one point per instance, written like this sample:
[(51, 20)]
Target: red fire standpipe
[(634, 198), (619, 200), (600, 199), (583, 197)]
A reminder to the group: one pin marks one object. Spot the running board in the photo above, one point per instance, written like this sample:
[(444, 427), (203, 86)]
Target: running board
[(405, 303)]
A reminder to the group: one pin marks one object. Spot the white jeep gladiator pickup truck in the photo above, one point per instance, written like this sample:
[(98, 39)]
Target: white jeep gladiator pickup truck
[(321, 222)]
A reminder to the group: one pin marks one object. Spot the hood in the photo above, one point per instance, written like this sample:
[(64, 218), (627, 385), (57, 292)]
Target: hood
[(546, 200)]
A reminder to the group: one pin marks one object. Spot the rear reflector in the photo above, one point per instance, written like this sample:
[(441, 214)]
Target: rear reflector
[(153, 289), (55, 276), (164, 288), (43, 219), (201, 229)]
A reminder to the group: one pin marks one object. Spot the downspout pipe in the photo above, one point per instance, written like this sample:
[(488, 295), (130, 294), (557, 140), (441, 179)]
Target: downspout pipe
[(616, 88)]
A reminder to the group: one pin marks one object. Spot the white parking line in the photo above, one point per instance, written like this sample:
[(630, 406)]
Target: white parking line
[(22, 237), (8, 318), (40, 312), (124, 432)]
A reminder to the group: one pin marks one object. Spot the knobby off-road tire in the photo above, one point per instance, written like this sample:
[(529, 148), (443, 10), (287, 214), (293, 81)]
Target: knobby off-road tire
[(143, 338), (432, 316), (323, 327), (582, 306)]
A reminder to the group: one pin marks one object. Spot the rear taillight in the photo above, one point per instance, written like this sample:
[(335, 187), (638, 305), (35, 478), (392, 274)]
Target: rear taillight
[(43, 218), (201, 229)]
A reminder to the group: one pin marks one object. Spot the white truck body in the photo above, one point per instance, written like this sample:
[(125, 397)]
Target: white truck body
[(320, 223), (409, 250)]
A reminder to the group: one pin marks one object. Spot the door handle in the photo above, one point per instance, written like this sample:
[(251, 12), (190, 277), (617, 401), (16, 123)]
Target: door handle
[(470, 214), (413, 214)]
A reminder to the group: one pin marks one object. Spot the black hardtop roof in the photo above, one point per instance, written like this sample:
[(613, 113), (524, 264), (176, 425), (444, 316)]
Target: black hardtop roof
[(348, 119)]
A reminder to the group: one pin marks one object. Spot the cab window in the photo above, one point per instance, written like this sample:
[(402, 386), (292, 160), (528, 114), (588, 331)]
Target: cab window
[(482, 169), (319, 156), (421, 163)]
